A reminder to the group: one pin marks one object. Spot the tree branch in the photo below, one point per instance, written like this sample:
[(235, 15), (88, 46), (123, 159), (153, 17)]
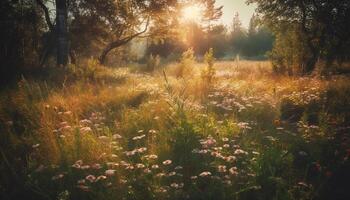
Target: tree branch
[(47, 15), (120, 42)]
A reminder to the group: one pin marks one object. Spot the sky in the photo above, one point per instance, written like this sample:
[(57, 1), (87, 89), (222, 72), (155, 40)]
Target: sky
[(232, 6)]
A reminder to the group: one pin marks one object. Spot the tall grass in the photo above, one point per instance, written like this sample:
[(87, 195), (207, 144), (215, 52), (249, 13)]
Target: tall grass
[(232, 130)]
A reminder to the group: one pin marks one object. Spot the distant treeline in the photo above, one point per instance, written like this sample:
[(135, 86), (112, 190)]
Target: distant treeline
[(297, 36), (228, 42)]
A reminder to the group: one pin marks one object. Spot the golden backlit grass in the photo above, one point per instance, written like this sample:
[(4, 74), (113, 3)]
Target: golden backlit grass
[(81, 119)]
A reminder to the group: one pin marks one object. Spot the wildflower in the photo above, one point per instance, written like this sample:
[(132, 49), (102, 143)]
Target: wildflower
[(114, 156), (85, 167), (160, 175), (84, 188), (194, 177), (85, 122), (117, 136), (251, 175), (147, 171), (141, 150), (34, 146), (230, 158), (177, 185), (129, 167), (100, 178), (156, 117), (59, 176), (178, 167), (240, 152), (167, 162), (139, 137), (226, 146), (216, 154), (225, 139), (209, 142), (123, 163), (204, 174), (140, 165), (303, 184), (271, 138), (123, 181), (155, 167), (96, 166), (195, 151), (222, 168), (129, 153), (90, 178), (227, 182), (66, 128), (62, 124), (68, 113), (161, 190), (302, 153), (103, 137), (217, 148), (203, 151), (81, 181), (172, 174), (152, 156), (233, 171), (152, 131), (243, 125), (79, 162), (110, 172), (140, 131), (85, 129)]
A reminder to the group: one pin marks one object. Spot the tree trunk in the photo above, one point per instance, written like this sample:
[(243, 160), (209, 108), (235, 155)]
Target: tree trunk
[(103, 56), (114, 45), (62, 32), (119, 42)]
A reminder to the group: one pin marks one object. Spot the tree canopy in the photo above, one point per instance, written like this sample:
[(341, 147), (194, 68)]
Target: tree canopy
[(318, 29)]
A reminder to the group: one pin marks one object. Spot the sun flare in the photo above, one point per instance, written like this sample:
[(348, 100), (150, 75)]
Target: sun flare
[(192, 13)]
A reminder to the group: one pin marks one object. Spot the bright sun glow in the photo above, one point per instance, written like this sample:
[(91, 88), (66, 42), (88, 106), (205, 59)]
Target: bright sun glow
[(192, 13)]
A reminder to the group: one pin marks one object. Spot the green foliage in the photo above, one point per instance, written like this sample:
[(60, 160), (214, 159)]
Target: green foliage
[(310, 30), (253, 43)]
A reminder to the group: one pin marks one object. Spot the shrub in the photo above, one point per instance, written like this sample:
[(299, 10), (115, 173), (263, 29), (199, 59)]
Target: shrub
[(186, 62), (209, 72), (153, 63)]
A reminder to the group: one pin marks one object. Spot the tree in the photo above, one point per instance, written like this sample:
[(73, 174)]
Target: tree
[(21, 28), (62, 32), (236, 24), (107, 23), (211, 12), (322, 25), (253, 24), (134, 18), (57, 32)]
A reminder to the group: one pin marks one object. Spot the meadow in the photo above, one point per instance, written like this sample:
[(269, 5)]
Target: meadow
[(215, 130)]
